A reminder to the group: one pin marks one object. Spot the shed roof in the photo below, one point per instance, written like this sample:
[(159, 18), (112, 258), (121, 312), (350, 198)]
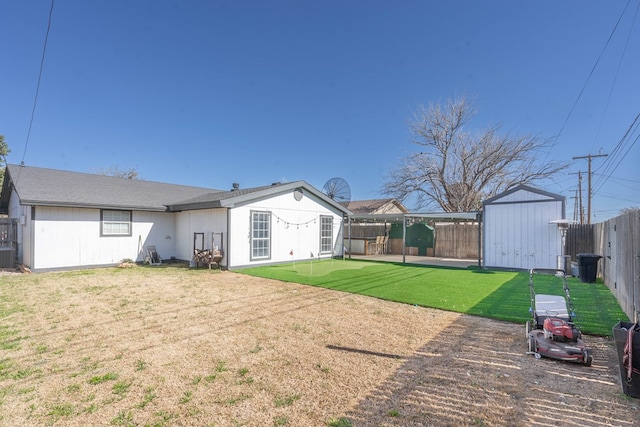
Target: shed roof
[(400, 217), (523, 193)]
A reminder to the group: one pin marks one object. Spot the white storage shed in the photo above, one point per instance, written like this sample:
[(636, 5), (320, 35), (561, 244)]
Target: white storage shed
[(520, 229)]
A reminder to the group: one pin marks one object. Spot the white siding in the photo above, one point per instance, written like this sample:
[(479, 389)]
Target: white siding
[(70, 237), (64, 237), (521, 235), (207, 221), (295, 227)]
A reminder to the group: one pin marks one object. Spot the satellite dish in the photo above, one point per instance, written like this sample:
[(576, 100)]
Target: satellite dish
[(338, 190)]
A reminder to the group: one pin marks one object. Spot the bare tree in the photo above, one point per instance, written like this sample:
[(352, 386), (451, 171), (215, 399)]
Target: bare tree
[(624, 211), (131, 173), (456, 169)]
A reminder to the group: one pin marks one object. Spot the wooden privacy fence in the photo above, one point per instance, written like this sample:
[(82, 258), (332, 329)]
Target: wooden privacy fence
[(457, 240), (579, 239), (8, 242), (618, 241)]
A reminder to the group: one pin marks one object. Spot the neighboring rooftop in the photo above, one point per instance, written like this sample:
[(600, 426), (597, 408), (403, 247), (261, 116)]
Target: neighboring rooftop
[(376, 206)]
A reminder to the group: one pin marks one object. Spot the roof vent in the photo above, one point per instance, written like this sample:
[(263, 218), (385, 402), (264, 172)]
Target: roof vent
[(236, 186)]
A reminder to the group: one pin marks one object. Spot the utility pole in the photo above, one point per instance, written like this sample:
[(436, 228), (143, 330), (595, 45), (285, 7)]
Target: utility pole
[(589, 157), (580, 196), (579, 210)]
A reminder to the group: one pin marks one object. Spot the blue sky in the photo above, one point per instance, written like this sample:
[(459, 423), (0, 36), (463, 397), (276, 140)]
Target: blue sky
[(208, 93)]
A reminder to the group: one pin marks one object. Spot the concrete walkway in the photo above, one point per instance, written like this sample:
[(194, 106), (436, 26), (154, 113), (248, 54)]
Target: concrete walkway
[(422, 260)]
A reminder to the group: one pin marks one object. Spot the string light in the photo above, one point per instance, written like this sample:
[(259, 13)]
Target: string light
[(287, 224)]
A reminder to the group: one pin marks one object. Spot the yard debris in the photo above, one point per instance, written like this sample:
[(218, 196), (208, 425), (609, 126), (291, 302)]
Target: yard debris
[(127, 265), (207, 257)]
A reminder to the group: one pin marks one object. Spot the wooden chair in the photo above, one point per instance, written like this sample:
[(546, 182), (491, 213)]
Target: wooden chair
[(379, 242), (385, 244), (372, 247)]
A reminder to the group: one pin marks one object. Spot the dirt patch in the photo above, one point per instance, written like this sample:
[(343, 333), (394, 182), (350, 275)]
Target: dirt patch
[(182, 347)]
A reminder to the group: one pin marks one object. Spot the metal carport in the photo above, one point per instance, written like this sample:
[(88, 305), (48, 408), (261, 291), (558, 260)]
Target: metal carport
[(407, 218)]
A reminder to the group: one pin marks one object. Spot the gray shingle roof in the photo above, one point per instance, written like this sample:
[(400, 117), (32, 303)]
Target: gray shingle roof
[(40, 186), (217, 199), (359, 207), (51, 187)]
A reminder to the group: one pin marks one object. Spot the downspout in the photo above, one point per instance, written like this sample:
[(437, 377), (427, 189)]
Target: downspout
[(228, 245), (479, 219), (404, 237), (349, 228), (31, 221)]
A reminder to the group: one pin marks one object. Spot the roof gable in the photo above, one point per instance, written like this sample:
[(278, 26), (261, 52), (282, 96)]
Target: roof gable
[(523, 193), (236, 197)]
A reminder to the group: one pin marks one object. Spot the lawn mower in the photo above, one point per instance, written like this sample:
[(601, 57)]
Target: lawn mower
[(551, 332)]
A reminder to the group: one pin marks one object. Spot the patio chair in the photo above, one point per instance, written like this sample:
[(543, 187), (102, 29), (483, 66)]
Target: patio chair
[(379, 243), (385, 244)]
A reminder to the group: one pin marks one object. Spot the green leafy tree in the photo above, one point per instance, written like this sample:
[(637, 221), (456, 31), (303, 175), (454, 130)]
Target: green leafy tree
[(4, 151)]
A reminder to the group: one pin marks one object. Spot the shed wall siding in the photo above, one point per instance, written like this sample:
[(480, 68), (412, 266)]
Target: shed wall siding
[(295, 226), (70, 237), (520, 236)]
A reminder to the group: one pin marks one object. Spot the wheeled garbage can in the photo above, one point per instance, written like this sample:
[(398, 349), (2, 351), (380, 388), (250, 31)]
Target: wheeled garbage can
[(588, 267)]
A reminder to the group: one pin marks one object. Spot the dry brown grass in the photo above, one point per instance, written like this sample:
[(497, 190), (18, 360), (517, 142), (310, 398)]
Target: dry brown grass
[(168, 346)]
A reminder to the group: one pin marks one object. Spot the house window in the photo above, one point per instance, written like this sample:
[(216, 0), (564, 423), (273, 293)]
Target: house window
[(326, 234), (115, 223), (260, 235)]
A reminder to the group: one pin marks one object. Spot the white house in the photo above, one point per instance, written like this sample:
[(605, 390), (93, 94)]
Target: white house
[(520, 229), (71, 220)]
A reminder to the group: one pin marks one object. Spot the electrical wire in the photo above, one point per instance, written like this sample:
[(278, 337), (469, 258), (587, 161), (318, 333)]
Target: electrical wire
[(615, 79), (619, 153), (617, 178), (584, 86), (35, 99)]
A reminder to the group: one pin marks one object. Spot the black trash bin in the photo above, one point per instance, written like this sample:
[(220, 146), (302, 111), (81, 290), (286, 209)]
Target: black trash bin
[(620, 335), (588, 267)]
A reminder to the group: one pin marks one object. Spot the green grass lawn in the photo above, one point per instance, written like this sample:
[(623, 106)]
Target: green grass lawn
[(501, 295)]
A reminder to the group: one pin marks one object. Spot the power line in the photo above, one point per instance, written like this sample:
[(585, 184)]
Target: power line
[(615, 79), (617, 156), (35, 99), (617, 178), (584, 86)]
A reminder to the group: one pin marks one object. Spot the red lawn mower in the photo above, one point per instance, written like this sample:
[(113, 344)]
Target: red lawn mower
[(551, 332)]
